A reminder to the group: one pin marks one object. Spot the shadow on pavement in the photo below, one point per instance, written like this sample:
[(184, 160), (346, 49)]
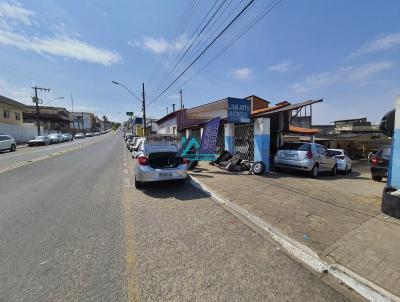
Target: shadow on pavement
[(184, 192)]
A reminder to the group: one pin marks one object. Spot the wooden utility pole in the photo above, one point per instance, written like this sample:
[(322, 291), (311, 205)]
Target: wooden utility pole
[(144, 110), (181, 113), (36, 101)]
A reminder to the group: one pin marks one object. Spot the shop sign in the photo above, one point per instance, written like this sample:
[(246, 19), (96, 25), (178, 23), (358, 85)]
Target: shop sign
[(238, 111)]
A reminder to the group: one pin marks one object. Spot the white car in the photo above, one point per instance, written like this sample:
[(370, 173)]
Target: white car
[(138, 148), (343, 161), (160, 161), (79, 135), (7, 143)]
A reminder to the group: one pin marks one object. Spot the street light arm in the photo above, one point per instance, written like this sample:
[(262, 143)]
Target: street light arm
[(130, 91), (59, 98)]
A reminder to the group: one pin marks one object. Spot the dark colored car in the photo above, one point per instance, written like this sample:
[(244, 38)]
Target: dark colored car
[(380, 163)]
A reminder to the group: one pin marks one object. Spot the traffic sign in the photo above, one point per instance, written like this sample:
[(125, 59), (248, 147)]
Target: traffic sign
[(129, 113)]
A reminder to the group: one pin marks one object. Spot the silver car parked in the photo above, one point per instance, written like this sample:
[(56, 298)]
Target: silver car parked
[(7, 143), (160, 161), (311, 157)]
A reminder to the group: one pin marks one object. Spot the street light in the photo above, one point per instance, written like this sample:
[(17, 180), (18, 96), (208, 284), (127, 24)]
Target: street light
[(57, 98), (142, 101), (117, 83)]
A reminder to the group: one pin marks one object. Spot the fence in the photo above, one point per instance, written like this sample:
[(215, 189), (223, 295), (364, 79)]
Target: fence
[(244, 141)]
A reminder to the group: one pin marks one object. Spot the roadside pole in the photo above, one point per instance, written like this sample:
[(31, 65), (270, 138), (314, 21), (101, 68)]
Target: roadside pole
[(144, 111), (394, 164), (181, 113), (36, 100)]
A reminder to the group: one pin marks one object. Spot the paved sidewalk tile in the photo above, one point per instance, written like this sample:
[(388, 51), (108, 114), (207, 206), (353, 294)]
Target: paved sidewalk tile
[(339, 218)]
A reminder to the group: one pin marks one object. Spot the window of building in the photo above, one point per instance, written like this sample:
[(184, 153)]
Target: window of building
[(6, 113), (17, 116)]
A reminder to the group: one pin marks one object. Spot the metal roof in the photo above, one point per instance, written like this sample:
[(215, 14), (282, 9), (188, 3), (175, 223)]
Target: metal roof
[(289, 107)]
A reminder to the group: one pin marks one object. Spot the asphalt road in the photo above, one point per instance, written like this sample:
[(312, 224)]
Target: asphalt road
[(74, 228), (25, 154)]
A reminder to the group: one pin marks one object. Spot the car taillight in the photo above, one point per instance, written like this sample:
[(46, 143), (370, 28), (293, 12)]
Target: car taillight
[(374, 161), (309, 155), (340, 157), (185, 161), (143, 160)]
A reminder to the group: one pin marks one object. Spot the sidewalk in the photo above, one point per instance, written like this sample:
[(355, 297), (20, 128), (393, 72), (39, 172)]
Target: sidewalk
[(337, 218)]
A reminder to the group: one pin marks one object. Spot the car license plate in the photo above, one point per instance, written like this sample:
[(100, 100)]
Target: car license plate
[(165, 174), (290, 156)]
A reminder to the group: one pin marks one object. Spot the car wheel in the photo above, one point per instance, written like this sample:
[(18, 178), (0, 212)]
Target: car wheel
[(138, 184), (314, 171), (13, 148), (376, 178), (258, 168), (334, 171), (278, 169)]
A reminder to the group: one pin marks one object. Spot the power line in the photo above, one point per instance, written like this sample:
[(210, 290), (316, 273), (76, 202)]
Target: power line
[(182, 24), (210, 35), (237, 37), (183, 52), (209, 45)]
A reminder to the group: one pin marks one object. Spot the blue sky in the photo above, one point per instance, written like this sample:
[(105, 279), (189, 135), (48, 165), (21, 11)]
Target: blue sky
[(347, 52)]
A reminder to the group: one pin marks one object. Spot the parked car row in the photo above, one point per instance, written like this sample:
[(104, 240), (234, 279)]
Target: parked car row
[(88, 134), (158, 159), (54, 138), (312, 158)]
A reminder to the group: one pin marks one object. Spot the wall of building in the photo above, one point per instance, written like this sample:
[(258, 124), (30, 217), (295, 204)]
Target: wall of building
[(13, 112), (168, 127), (88, 120), (21, 133)]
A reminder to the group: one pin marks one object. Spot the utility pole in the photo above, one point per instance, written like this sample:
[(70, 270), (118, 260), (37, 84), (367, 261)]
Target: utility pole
[(36, 100), (167, 109), (144, 111), (181, 114), (173, 107), (72, 113)]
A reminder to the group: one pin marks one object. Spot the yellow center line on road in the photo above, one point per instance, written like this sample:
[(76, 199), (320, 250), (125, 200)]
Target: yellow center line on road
[(130, 254), (34, 160)]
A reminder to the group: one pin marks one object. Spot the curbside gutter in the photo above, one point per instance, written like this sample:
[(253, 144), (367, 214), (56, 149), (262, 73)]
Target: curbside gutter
[(303, 253)]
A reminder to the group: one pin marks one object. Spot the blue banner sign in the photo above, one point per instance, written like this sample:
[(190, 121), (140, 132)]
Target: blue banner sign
[(209, 138), (238, 111)]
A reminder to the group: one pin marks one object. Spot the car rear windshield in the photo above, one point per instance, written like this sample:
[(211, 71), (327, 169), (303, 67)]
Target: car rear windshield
[(296, 146)]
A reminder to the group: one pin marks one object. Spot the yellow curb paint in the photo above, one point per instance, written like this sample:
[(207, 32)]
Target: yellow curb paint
[(130, 254)]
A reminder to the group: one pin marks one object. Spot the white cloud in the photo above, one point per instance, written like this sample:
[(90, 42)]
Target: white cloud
[(368, 70), (349, 73), (15, 12), (283, 66), (244, 73), (20, 94), (63, 46), (63, 43), (173, 97), (383, 42), (160, 45)]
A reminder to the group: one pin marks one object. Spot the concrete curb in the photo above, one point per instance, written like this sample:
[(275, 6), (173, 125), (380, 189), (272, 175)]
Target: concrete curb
[(303, 253)]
